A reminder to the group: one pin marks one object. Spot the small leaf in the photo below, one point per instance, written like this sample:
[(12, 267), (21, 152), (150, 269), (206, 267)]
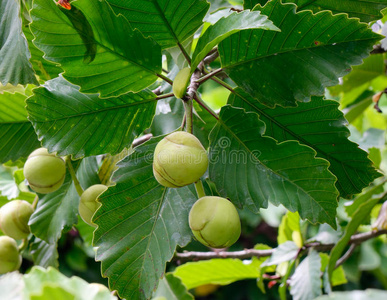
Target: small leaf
[(305, 283), (140, 224), (215, 271), (311, 52), (226, 27), (70, 122), (287, 173), (172, 288), (168, 23), (112, 62), (15, 67)]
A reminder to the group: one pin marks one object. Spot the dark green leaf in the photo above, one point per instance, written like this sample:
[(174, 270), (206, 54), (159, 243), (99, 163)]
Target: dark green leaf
[(320, 125), (168, 22), (70, 122), (305, 283), (365, 10), (140, 223), (311, 52), (286, 173), (15, 67), (226, 27), (18, 138), (98, 50), (249, 4)]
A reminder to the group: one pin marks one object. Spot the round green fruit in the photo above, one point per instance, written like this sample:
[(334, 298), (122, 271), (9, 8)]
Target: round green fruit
[(88, 204), (10, 259), (181, 82), (44, 171), (14, 218), (179, 160), (215, 222)]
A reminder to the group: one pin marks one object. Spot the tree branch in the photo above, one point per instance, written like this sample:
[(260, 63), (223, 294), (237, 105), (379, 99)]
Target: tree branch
[(248, 253)]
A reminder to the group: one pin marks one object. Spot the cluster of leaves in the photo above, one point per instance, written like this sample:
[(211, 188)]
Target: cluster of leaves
[(98, 75)]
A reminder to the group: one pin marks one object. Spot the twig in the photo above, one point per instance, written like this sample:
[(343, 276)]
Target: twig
[(164, 96), (206, 107), (346, 255), (248, 253), (142, 140), (209, 75)]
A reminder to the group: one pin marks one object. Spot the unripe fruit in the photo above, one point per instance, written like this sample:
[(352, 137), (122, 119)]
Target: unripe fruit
[(14, 218), (179, 160), (10, 259), (44, 172), (215, 222), (88, 204), (181, 82)]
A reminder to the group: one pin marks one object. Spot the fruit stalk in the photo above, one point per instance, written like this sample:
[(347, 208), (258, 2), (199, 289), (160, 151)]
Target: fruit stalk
[(199, 189), (74, 176)]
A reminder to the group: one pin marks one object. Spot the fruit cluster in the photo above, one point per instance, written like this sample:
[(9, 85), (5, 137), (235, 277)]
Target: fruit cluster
[(179, 160), (45, 173)]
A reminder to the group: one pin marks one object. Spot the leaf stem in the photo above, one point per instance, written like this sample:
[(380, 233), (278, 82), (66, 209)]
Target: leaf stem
[(187, 57), (165, 78), (222, 83), (206, 107), (208, 76), (164, 96), (199, 189), (74, 176)]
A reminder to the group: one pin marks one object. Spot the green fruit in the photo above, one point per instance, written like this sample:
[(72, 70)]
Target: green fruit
[(215, 222), (44, 171), (10, 259), (179, 160), (181, 82), (14, 218), (88, 204)]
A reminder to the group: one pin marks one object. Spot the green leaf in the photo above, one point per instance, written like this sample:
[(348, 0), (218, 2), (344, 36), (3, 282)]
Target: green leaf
[(168, 22), (43, 68), (226, 27), (366, 11), (362, 212), (369, 294), (172, 288), (305, 283), (15, 67), (289, 229), (215, 271), (371, 68), (98, 50), (38, 278), (8, 186), (44, 254), (70, 122), (286, 173), (311, 52), (249, 4), (320, 125), (18, 138), (57, 211), (140, 223), (53, 291)]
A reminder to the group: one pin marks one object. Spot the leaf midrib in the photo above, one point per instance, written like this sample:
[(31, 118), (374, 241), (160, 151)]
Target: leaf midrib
[(97, 111)]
